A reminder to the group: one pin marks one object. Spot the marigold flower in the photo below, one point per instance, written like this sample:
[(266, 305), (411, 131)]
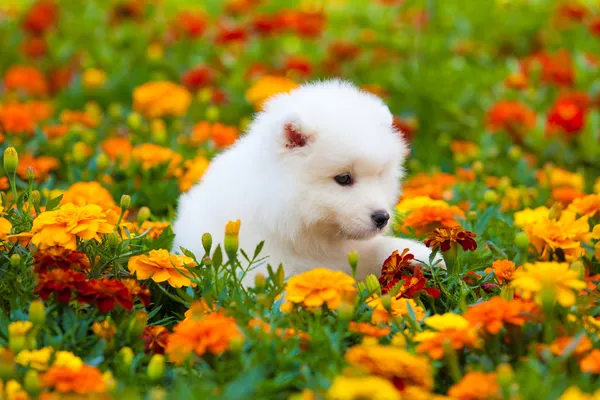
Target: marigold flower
[(214, 334), (366, 329), (155, 339), (104, 330), (567, 115), (40, 17), (67, 359), (137, 290), (5, 228), (443, 238), (553, 276), (36, 359), (161, 99), (557, 68), (436, 186), (195, 170), (93, 78), (62, 227), (399, 309), (450, 328), (591, 362), (56, 131), (151, 155), (558, 177), (198, 309), (319, 286), (162, 266), (19, 328), (28, 79), (197, 77), (61, 282), (511, 117), (189, 24), (266, 87), (503, 270), (16, 119), (574, 393), (59, 257), (476, 385), (117, 148), (82, 380), (588, 206), (82, 193), (223, 136), (13, 390), (395, 364), (81, 118), (493, 314), (362, 387), (566, 195), (104, 293), (41, 165), (560, 345)]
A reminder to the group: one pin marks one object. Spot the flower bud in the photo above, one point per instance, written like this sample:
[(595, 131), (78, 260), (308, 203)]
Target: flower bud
[(505, 374), (17, 343), (7, 363), (373, 285), (93, 78), (115, 110), (346, 311), (79, 152), (212, 113), (207, 242), (522, 240), (158, 130), (353, 261), (490, 197), (35, 197), (515, 152), (15, 260), (156, 367), (125, 201), (143, 215), (30, 173), (158, 393), (134, 121), (31, 382), (113, 240), (126, 357), (260, 281), (232, 230), (478, 167), (360, 286), (11, 160), (555, 211), (102, 161), (471, 216), (204, 95), (37, 312), (138, 323)]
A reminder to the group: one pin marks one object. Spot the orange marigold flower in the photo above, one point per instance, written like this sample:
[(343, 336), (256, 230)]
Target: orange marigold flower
[(425, 219), (42, 166), (74, 117), (154, 228), (223, 135), (104, 293), (476, 385), (444, 238), (504, 270), (16, 118), (591, 362), (137, 290), (59, 257), (393, 363), (266, 87), (61, 282), (162, 266), (566, 195), (55, 131), (151, 155), (195, 170), (560, 345), (198, 309), (155, 339), (511, 117), (399, 307), (28, 79), (82, 380), (117, 148), (214, 334), (82, 193), (451, 329), (493, 314), (516, 81), (64, 226), (436, 186), (161, 99), (557, 68), (558, 177), (319, 286), (366, 329), (586, 206)]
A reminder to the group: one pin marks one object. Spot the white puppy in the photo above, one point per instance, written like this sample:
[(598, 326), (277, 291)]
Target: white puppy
[(317, 176)]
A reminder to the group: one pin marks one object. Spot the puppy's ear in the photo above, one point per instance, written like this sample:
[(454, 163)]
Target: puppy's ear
[(294, 137)]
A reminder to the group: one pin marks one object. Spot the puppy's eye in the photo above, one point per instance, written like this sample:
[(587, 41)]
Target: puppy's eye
[(344, 179)]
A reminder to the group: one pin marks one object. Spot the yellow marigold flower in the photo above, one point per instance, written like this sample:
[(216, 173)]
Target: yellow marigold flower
[(160, 266), (476, 386), (362, 388), (399, 308), (67, 359), (14, 391), (574, 393), (214, 334), (62, 227), (150, 155), (588, 206), (161, 99), (320, 286), (553, 276), (195, 169), (5, 228), (530, 216), (93, 78), (450, 329), (392, 363), (447, 321), (82, 193), (591, 362), (36, 359), (105, 330), (267, 87), (19, 328), (558, 177), (156, 228), (233, 228)]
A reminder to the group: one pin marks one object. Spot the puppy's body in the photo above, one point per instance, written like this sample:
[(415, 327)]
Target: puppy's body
[(316, 177)]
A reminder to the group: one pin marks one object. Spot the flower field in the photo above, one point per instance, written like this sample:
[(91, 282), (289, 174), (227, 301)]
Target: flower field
[(110, 109)]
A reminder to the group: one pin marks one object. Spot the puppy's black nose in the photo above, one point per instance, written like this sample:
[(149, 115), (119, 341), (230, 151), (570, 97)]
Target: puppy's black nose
[(380, 218)]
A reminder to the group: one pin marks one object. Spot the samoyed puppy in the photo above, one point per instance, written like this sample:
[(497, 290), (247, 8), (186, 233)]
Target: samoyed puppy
[(316, 176)]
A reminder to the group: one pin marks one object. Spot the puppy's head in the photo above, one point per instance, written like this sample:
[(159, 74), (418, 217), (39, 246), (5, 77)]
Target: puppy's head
[(340, 157)]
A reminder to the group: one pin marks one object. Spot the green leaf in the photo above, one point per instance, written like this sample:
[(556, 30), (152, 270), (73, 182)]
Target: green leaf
[(217, 258), (53, 204)]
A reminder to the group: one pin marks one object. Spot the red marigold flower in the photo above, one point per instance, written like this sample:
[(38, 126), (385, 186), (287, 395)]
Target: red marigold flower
[(399, 267), (305, 24), (128, 10), (573, 11), (557, 69), (298, 64), (568, 114), (137, 290), (197, 77), (344, 50), (189, 24), (267, 24), (104, 293), (155, 339), (512, 117), (406, 126), (61, 282), (34, 47), (59, 257), (40, 17), (443, 238), (594, 26), (228, 33)]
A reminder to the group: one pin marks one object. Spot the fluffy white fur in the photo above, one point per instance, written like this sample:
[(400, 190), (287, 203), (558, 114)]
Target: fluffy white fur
[(282, 186)]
